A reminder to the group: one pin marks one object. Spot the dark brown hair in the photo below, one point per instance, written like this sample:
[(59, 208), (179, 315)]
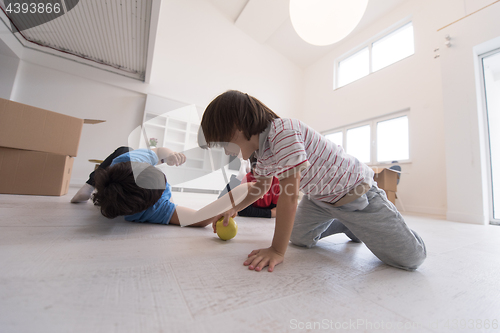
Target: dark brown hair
[(230, 111), (253, 161), (117, 192)]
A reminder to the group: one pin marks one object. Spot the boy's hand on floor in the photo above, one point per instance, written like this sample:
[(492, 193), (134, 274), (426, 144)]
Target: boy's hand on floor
[(258, 259)]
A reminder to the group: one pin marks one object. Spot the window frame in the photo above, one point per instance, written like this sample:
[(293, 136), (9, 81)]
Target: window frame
[(485, 129), (373, 135), (368, 44)]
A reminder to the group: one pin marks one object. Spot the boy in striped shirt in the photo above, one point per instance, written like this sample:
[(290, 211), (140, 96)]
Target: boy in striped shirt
[(339, 192)]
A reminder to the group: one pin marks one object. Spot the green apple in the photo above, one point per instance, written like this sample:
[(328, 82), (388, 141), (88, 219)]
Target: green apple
[(226, 233)]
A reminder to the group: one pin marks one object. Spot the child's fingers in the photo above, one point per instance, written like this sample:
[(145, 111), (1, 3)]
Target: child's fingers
[(258, 263), (255, 262), (251, 257), (263, 263), (229, 214), (177, 160), (254, 252), (271, 266), (252, 262), (226, 220)]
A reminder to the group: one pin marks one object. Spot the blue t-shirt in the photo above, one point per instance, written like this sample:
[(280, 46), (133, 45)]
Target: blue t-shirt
[(161, 212)]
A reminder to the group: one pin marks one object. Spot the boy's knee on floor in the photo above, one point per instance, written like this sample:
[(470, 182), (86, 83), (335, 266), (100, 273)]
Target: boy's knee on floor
[(302, 242), (410, 263), (413, 261)]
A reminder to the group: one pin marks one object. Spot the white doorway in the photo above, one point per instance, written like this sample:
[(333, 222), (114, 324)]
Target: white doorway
[(491, 74)]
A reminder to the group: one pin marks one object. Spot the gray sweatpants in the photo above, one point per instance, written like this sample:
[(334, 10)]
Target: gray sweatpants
[(371, 218)]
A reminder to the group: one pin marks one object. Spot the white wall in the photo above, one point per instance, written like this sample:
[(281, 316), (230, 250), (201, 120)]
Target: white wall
[(79, 97), (199, 54), (8, 70), (413, 83), (464, 117), (9, 63)]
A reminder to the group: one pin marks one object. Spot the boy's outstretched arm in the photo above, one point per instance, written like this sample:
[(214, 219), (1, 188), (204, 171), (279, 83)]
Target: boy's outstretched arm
[(186, 213), (228, 205), (166, 155), (285, 216), (254, 191)]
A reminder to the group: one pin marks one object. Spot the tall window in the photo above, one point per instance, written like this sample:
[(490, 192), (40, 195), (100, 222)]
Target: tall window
[(393, 139), (337, 137), (376, 54), (358, 143), (377, 141)]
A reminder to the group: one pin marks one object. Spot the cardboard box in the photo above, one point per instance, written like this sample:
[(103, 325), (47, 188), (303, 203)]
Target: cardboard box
[(386, 179), (33, 172), (37, 147), (30, 128), (391, 196)]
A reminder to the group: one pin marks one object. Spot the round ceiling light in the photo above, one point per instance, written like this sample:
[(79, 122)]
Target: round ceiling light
[(324, 22)]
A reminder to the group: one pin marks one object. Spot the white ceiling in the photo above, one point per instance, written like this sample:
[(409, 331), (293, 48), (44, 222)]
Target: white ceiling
[(268, 22), (121, 44)]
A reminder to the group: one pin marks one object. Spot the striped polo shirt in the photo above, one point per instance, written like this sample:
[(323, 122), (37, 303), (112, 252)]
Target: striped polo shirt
[(327, 172)]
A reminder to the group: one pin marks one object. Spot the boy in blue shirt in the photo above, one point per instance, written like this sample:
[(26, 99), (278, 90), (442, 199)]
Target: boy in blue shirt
[(127, 184)]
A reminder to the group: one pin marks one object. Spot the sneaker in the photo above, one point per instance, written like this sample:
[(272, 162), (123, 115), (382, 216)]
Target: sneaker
[(83, 194)]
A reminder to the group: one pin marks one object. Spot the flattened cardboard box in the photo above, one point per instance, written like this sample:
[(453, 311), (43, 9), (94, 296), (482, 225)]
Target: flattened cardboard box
[(33, 172), (27, 127), (391, 196)]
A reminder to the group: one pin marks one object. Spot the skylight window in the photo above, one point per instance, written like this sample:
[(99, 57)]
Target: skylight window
[(376, 54), (355, 67), (393, 47)]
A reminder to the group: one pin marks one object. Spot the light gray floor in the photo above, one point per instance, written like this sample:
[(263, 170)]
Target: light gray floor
[(65, 268)]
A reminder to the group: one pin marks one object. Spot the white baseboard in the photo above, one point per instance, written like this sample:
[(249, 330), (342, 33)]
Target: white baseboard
[(422, 210), (77, 182), (467, 218), (450, 216)]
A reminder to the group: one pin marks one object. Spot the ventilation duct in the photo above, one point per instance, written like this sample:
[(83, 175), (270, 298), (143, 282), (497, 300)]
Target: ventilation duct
[(108, 34)]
